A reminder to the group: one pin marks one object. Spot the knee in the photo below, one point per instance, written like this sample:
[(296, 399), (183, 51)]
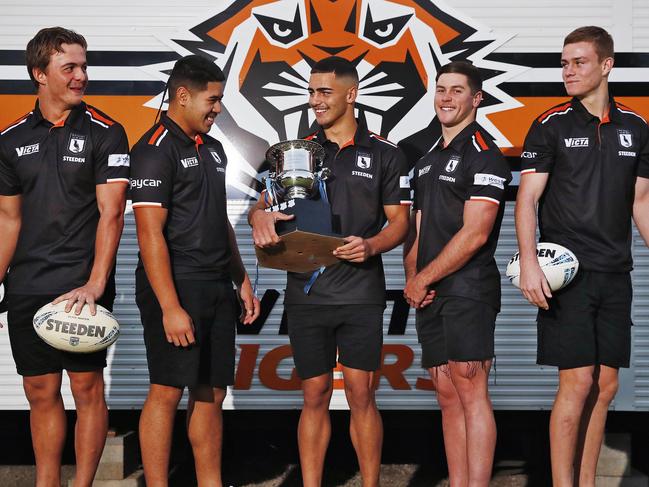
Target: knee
[(607, 391), (579, 386), (470, 381), (41, 392), (87, 391), (359, 397), (316, 396), (166, 397)]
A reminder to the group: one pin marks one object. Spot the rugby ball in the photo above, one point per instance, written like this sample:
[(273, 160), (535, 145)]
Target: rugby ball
[(81, 333), (557, 263)]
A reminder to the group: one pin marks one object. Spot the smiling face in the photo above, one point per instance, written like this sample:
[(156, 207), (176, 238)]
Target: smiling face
[(331, 98), (455, 104), (582, 71), (64, 81), (200, 107)]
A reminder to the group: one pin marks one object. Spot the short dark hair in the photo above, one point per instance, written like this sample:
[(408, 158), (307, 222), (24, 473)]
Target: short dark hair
[(472, 73), (193, 72), (337, 65), (45, 43), (598, 37)]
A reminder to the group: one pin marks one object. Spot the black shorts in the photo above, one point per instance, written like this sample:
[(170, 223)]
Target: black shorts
[(588, 323), (317, 332), (35, 357), (211, 305), (456, 329)]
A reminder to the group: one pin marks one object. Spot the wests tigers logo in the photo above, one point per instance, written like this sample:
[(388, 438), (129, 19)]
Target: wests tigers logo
[(267, 47)]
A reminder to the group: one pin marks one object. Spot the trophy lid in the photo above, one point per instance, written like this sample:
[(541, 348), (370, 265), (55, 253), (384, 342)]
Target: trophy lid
[(274, 155)]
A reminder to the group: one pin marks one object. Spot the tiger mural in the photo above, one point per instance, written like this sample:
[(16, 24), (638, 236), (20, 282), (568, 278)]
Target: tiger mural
[(266, 49)]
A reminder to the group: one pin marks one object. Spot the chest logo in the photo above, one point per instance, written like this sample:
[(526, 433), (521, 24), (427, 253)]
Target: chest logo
[(626, 139), (452, 164), (576, 142), (216, 157), (423, 171), (77, 143), (27, 149), (364, 161), (189, 162)]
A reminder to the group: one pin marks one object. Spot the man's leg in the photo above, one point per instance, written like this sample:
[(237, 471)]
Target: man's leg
[(574, 388), (593, 422), (92, 423), (48, 424), (156, 430), (365, 427), (453, 426), (470, 381), (205, 432), (314, 428)]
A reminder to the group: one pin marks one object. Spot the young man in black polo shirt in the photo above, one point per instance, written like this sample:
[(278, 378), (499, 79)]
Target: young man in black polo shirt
[(585, 166), (188, 261), (343, 311), (451, 275), (63, 178)]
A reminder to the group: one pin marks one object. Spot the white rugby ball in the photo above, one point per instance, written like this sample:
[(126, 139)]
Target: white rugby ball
[(81, 333), (558, 264)]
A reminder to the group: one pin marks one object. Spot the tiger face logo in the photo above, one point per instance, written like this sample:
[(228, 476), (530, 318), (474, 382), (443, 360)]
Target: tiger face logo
[(266, 49)]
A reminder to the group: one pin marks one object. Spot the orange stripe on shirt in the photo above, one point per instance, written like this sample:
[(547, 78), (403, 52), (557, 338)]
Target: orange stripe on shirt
[(554, 110), (99, 117), (481, 141), (156, 134)]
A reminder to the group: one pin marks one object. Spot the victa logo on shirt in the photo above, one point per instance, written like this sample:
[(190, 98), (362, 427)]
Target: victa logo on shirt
[(423, 171), (27, 149), (189, 162), (576, 142), (145, 183)]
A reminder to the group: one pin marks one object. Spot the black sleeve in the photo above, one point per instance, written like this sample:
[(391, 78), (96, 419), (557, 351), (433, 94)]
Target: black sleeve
[(9, 183), (110, 156), (538, 151), (643, 160), (395, 182), (152, 174), (488, 175)]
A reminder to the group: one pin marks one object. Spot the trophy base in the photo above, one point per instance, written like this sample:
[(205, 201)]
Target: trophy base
[(307, 241)]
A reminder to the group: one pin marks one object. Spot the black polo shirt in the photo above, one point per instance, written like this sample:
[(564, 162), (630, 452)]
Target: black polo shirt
[(56, 169), (367, 173), (187, 177), (470, 168), (588, 201)]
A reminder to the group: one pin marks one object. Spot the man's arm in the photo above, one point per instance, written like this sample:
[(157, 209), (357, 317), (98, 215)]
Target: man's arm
[(357, 249), (111, 201), (478, 221), (534, 285), (250, 304), (154, 252), (641, 207), (410, 252), (263, 223), (10, 220)]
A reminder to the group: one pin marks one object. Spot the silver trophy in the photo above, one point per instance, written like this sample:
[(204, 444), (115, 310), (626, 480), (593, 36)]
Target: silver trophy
[(295, 185), (296, 168)]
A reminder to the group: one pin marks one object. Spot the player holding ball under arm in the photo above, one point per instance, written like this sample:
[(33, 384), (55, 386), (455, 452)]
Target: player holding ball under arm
[(585, 169)]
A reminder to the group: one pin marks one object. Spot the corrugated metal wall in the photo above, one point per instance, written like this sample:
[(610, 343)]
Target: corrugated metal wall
[(518, 382)]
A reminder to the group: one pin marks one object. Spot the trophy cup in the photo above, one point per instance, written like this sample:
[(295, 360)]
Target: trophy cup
[(295, 186)]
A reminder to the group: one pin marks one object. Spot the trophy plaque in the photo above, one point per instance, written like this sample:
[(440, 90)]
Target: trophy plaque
[(296, 187)]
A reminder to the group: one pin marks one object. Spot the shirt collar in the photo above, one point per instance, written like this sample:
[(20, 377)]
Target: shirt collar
[(579, 108), (460, 139), (175, 130), (74, 119), (361, 136)]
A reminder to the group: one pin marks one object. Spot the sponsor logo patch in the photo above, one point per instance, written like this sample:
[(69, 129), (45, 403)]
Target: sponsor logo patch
[(423, 171), (528, 155), (189, 162), (481, 179), (77, 143), (119, 160), (576, 142), (27, 149), (145, 183), (404, 182)]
